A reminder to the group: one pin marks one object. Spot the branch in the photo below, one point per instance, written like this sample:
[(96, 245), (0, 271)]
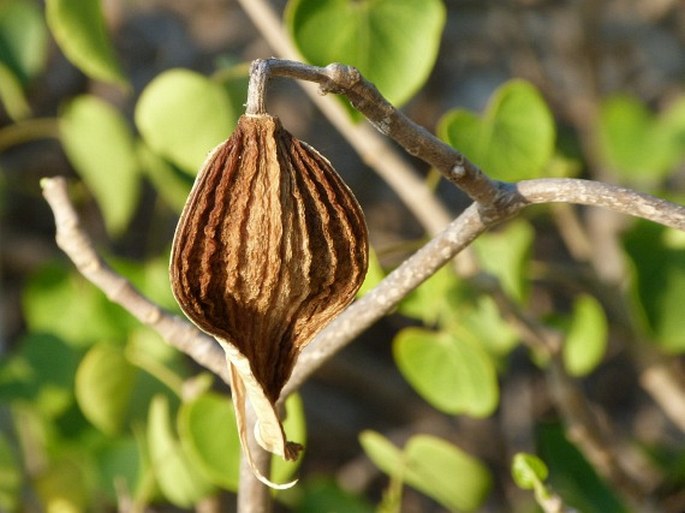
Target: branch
[(415, 139), (598, 194), (373, 149), (79, 248)]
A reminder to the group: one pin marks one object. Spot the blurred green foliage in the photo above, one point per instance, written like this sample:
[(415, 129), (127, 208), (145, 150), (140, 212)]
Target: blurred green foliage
[(92, 404)]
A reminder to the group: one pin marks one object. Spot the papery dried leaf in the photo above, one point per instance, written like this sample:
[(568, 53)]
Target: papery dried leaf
[(271, 246)]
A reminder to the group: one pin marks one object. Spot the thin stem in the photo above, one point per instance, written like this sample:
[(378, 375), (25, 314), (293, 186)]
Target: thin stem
[(256, 89), (253, 495), (372, 147), (415, 139), (28, 130)]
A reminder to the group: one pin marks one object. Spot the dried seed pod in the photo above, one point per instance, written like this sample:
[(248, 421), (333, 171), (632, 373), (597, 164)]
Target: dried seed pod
[(271, 245)]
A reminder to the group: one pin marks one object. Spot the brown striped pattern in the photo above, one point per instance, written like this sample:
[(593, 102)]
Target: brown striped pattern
[(271, 245)]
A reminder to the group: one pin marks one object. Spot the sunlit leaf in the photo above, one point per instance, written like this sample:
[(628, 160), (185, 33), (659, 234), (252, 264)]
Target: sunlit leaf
[(452, 373), (528, 470), (50, 305), (79, 29), (104, 384), (512, 140), (586, 339), (183, 115), (394, 43), (99, 144), (433, 466), (177, 478)]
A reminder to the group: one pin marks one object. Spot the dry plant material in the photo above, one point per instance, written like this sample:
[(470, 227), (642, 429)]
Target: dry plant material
[(271, 245)]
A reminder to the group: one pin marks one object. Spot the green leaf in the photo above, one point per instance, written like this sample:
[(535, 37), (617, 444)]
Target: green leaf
[(673, 120), (481, 318), (183, 115), (506, 254), (41, 370), (632, 140), (10, 477), (513, 140), (63, 303), (394, 43), (429, 301), (79, 29), (99, 144), (658, 284), (120, 463), (12, 95), (178, 479), (586, 339), (452, 373), (208, 432), (23, 44), (104, 385), (433, 466), (172, 184), (528, 470), (23, 39)]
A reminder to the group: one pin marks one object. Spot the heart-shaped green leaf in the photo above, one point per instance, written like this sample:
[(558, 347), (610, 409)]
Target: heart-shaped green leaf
[(586, 339), (453, 374), (104, 384), (79, 29), (183, 115), (513, 140), (394, 43), (433, 466), (99, 144)]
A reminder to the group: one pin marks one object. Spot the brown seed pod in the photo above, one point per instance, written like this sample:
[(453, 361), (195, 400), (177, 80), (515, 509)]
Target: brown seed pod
[(271, 245)]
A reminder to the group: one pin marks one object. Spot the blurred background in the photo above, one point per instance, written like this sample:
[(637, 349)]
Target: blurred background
[(118, 124)]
